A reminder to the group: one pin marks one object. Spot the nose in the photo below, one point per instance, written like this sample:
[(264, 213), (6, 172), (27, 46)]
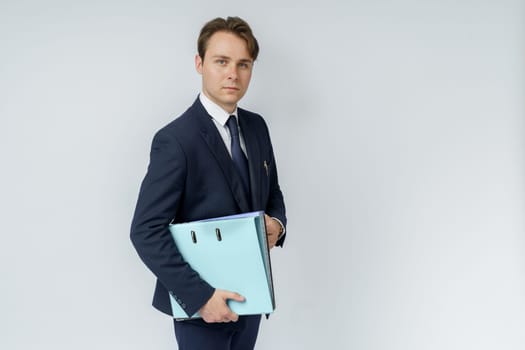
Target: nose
[(232, 72)]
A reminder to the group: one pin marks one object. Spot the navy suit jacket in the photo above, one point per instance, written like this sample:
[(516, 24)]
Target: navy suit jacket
[(191, 176)]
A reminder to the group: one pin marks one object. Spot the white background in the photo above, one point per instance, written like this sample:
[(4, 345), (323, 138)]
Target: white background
[(399, 134)]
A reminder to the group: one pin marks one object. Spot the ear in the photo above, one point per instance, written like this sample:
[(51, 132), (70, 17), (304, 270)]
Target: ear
[(198, 63)]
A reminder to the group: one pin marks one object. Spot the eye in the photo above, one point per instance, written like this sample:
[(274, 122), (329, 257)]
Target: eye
[(244, 65), (221, 62)]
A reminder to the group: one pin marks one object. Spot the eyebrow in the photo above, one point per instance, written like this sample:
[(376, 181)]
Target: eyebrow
[(244, 60)]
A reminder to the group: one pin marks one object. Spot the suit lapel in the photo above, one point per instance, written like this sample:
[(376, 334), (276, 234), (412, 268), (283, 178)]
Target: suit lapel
[(216, 146), (254, 156)]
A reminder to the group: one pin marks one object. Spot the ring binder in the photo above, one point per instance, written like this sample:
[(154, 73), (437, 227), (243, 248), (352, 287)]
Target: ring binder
[(233, 255)]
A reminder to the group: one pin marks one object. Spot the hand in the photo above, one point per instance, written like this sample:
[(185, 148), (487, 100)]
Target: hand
[(273, 228), (216, 309)]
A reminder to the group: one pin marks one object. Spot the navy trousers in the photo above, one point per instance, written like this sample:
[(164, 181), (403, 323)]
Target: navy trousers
[(240, 335)]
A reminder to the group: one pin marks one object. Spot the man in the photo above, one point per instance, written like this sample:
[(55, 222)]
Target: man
[(214, 160)]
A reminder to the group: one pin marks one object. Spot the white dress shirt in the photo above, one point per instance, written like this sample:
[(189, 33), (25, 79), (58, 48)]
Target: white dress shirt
[(220, 118)]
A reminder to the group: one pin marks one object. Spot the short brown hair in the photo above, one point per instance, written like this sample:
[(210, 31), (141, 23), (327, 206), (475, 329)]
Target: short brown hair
[(233, 25)]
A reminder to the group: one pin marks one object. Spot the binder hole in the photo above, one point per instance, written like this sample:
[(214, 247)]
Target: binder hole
[(218, 234), (193, 237)]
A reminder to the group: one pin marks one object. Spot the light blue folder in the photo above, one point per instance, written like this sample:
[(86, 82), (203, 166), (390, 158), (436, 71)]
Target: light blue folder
[(229, 253)]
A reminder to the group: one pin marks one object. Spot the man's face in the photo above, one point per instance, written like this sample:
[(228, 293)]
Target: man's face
[(226, 69)]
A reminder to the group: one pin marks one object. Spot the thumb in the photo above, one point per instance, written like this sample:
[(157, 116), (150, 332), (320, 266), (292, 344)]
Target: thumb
[(233, 296)]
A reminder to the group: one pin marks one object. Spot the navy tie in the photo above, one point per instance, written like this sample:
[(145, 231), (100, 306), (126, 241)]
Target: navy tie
[(239, 159)]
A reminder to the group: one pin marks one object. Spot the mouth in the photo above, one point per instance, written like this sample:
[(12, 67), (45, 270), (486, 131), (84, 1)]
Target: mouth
[(230, 88)]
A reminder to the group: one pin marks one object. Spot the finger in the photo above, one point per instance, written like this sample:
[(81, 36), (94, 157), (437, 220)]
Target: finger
[(234, 317), (234, 296)]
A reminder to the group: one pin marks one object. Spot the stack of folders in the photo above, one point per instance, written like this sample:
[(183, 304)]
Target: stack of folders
[(229, 253)]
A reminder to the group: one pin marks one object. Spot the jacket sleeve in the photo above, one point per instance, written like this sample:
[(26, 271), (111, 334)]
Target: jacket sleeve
[(159, 198), (275, 206)]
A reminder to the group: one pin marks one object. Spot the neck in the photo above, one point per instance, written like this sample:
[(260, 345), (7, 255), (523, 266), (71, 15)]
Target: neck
[(227, 108)]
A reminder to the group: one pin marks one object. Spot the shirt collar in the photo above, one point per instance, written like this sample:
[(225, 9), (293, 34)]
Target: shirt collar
[(215, 111)]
